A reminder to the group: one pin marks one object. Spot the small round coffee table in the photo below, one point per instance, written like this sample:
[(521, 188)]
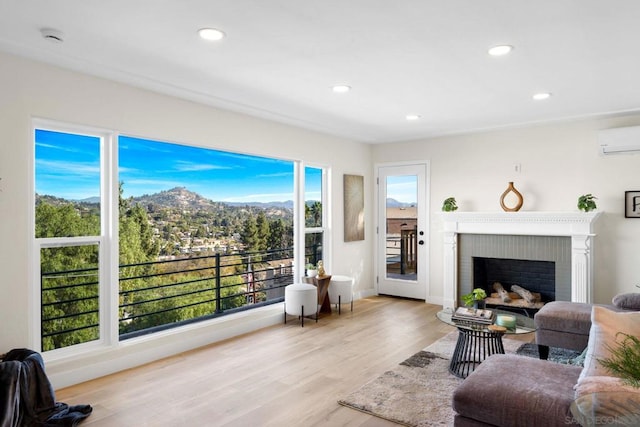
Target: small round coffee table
[(478, 341)]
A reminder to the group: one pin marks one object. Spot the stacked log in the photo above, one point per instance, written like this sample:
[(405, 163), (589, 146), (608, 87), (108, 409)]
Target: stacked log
[(517, 297)]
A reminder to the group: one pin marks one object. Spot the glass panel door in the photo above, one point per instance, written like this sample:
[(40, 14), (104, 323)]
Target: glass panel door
[(401, 231)]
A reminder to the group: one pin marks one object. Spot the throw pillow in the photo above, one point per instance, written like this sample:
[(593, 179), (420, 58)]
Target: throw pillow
[(600, 384), (605, 324), (629, 301)]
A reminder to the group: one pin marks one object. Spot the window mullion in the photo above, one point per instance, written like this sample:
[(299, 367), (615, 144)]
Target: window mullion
[(326, 218), (299, 221), (110, 253)]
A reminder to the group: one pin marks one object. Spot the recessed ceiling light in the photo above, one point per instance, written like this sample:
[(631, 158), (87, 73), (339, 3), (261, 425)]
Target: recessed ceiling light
[(500, 50), (341, 88), (412, 117), (211, 34), (541, 96)]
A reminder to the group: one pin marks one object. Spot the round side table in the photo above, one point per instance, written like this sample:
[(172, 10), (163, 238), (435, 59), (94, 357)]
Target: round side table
[(472, 348)]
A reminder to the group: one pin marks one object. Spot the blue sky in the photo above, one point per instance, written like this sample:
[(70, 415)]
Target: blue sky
[(68, 166), (402, 188)]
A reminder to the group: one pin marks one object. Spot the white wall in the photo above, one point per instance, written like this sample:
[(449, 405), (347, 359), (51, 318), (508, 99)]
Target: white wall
[(30, 89), (559, 163)]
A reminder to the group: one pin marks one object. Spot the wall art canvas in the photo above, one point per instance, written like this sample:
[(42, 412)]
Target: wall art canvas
[(353, 208), (632, 204)]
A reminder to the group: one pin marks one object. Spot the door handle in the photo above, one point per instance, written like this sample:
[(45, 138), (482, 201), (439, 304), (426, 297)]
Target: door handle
[(421, 242)]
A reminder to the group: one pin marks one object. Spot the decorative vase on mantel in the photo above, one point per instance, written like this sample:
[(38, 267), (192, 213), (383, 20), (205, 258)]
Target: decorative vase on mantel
[(511, 190)]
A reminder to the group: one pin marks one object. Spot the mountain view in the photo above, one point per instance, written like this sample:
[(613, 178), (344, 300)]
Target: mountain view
[(393, 203), (184, 222), (181, 257)]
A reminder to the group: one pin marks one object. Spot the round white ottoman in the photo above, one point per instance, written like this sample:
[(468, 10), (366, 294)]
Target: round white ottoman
[(300, 299), (341, 291)]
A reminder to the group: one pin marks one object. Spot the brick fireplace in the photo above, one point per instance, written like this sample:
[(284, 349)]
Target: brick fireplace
[(560, 241)]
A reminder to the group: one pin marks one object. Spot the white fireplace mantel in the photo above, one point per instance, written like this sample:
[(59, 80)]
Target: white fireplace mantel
[(577, 225)]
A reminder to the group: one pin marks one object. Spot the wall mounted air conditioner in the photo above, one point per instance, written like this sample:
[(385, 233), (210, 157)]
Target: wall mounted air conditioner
[(624, 140)]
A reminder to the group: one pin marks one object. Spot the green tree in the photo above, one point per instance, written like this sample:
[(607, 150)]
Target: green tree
[(69, 277), (249, 234), (70, 296), (64, 221), (137, 243), (313, 214), (280, 234), (262, 226), (137, 248)]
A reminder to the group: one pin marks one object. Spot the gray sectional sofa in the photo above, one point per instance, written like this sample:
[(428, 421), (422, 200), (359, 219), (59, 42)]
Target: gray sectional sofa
[(511, 390)]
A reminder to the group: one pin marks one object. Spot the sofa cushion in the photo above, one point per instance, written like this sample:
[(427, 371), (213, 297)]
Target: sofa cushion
[(511, 390), (564, 316), (605, 325), (628, 301)]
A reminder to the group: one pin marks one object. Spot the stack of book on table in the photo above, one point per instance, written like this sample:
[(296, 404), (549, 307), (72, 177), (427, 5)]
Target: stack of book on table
[(473, 315)]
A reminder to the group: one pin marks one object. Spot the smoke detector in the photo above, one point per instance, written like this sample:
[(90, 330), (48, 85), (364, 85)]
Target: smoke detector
[(52, 35)]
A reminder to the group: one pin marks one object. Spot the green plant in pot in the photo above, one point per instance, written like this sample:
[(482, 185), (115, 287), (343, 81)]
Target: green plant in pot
[(449, 204), (311, 270), (586, 202), (475, 298)]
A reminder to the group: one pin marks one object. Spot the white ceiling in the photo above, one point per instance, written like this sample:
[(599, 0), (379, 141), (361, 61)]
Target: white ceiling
[(281, 57)]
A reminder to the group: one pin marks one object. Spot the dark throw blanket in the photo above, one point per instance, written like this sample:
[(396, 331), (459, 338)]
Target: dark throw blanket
[(26, 396)]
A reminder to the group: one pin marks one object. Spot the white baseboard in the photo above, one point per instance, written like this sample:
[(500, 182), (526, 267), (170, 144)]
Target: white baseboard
[(434, 300), (365, 294)]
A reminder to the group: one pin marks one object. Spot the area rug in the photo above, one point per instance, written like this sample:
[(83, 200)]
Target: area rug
[(558, 355), (418, 391)]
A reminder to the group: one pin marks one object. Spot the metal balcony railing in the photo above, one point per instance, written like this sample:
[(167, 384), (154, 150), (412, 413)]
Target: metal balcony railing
[(401, 252), (158, 295)]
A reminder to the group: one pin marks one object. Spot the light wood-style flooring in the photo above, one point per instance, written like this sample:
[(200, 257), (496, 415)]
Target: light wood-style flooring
[(282, 375)]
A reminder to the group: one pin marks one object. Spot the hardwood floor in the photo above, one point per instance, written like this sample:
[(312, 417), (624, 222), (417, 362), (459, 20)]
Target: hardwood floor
[(282, 375)]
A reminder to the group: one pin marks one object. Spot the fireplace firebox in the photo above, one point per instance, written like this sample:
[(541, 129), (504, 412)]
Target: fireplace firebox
[(534, 276)]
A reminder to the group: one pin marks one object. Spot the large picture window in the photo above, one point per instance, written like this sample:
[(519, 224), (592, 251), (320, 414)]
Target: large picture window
[(198, 233), (202, 233)]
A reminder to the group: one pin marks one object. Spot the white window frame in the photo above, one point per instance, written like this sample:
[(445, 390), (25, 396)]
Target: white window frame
[(326, 218), (105, 241)]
